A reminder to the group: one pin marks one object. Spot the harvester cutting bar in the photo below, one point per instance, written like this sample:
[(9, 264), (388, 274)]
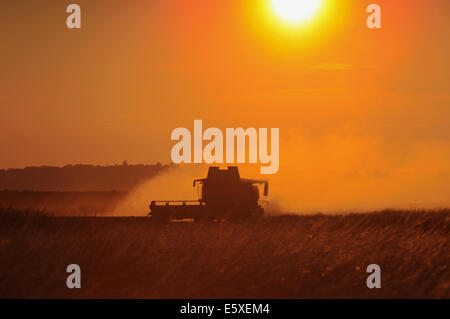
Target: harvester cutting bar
[(155, 204), (167, 202), (179, 209)]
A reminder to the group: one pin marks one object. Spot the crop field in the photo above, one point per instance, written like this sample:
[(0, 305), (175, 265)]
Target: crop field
[(319, 256), (63, 203)]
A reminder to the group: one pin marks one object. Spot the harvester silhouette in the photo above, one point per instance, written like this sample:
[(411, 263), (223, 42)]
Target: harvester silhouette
[(223, 194)]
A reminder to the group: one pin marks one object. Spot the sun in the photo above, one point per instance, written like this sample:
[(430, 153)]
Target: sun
[(295, 11)]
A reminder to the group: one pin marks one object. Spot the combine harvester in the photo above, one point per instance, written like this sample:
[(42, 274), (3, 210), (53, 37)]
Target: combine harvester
[(223, 194)]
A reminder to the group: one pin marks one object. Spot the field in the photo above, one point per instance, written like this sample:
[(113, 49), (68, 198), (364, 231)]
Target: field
[(91, 203), (319, 256)]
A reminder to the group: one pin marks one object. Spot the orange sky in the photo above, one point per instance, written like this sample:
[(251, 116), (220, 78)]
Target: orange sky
[(349, 101)]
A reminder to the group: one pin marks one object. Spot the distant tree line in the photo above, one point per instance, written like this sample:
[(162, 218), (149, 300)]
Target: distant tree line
[(78, 177)]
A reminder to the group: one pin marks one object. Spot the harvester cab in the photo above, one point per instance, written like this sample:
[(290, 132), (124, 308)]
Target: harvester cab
[(223, 194)]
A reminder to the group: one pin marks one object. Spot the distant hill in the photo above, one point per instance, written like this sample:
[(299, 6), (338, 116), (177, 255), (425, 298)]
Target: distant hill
[(78, 177)]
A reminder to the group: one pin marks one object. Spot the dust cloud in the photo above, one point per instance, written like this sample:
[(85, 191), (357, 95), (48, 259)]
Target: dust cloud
[(338, 173), (174, 183), (328, 174)]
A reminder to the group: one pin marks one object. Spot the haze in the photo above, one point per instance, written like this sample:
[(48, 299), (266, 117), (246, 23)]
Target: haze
[(364, 115)]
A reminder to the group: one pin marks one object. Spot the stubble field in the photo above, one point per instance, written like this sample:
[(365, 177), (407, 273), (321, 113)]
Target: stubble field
[(317, 256)]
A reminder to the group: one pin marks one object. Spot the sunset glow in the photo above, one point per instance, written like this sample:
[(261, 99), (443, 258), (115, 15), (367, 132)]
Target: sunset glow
[(294, 11), (363, 113)]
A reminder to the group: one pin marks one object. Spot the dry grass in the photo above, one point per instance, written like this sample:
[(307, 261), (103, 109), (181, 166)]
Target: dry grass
[(280, 257)]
